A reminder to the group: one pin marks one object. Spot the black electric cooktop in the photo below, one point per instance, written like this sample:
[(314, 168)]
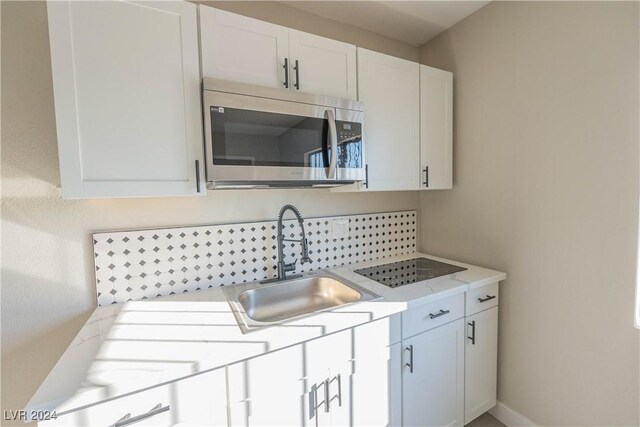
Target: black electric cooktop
[(404, 272)]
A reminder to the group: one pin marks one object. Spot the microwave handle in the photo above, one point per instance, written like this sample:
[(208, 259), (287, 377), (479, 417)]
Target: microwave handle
[(333, 140)]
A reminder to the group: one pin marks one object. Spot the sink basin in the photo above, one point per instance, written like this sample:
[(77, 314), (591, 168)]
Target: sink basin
[(283, 301), (256, 305)]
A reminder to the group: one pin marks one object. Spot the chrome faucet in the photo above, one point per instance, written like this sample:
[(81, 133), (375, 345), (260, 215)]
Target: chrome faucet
[(284, 268)]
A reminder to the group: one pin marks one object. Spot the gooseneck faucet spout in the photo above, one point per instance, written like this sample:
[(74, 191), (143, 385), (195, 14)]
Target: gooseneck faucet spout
[(284, 268)]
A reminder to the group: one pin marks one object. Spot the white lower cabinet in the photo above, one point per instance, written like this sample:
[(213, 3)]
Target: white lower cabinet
[(481, 356), (306, 384), (433, 377), (270, 389), (449, 361), (340, 379), (330, 367), (201, 400), (195, 401), (410, 369), (377, 354)]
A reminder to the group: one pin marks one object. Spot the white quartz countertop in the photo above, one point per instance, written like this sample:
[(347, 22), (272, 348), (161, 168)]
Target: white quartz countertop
[(130, 347)]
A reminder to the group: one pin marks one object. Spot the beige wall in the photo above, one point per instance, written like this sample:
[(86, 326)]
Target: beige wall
[(546, 188), (47, 290)]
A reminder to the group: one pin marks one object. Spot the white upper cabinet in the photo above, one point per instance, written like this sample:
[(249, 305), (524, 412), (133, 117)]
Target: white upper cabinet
[(390, 90), (238, 48), (322, 66), (127, 101), (436, 128), (234, 47)]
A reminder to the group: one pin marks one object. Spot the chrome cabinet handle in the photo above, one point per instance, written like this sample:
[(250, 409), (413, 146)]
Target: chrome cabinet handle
[(473, 332), (339, 379), (128, 419), (426, 176), (488, 298), (438, 314), (327, 399), (297, 83), (315, 405), (286, 72), (197, 176), (410, 364), (366, 176), (333, 138)]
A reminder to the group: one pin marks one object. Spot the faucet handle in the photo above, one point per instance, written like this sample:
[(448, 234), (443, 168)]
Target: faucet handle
[(305, 251), (290, 266)]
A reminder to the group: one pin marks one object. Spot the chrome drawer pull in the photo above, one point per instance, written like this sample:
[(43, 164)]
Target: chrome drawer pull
[(197, 176), (327, 398), (489, 297), (410, 364), (473, 332), (438, 314), (128, 419), (315, 404), (286, 72), (297, 69)]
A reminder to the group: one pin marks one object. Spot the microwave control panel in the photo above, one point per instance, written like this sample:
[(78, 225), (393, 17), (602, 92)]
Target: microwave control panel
[(348, 131)]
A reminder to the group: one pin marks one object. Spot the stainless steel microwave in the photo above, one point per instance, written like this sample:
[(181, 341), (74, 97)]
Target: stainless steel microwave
[(263, 137)]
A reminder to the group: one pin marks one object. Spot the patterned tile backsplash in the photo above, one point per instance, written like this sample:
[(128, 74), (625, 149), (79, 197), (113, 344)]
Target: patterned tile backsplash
[(136, 265)]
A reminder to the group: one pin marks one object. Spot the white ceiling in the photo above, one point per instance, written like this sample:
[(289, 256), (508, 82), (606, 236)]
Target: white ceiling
[(413, 22)]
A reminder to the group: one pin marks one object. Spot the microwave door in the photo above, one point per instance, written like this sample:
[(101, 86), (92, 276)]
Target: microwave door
[(259, 139)]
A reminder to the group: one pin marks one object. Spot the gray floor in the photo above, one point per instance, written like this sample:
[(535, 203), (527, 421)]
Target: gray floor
[(485, 420)]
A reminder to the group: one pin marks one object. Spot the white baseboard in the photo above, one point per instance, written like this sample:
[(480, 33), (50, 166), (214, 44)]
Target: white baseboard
[(509, 417)]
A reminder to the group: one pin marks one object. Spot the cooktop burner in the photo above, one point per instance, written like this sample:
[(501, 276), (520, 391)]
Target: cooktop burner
[(404, 272)]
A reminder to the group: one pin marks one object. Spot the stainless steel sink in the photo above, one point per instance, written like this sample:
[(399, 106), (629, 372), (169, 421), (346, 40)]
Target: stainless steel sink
[(256, 304), (295, 298)]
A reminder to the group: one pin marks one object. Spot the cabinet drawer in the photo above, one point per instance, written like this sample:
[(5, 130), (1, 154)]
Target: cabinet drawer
[(481, 299), (196, 401), (148, 408), (432, 315)]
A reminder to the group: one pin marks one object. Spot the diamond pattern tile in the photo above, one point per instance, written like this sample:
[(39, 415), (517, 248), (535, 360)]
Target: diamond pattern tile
[(144, 264)]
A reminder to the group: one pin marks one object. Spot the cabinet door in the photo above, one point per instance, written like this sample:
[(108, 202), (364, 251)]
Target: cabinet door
[(242, 49), (481, 358), (330, 359), (324, 66), (390, 90), (270, 390), (436, 128), (433, 394), (127, 98), (153, 407), (375, 386), (201, 400), (395, 384)]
